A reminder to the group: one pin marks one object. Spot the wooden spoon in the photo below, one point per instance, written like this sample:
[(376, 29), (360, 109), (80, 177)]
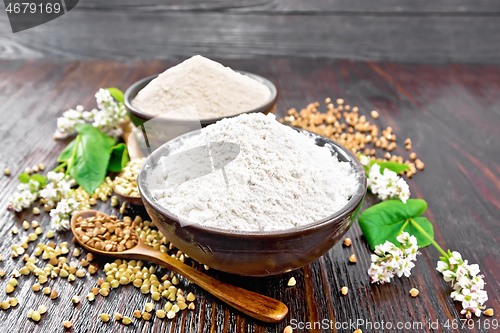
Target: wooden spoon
[(255, 305), (124, 197), (134, 152)]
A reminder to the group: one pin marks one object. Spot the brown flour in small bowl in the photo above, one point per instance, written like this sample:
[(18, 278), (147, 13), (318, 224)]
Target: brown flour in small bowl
[(200, 88)]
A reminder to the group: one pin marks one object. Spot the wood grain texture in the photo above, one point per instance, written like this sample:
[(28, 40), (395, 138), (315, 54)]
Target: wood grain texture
[(451, 113), (390, 30), (447, 7)]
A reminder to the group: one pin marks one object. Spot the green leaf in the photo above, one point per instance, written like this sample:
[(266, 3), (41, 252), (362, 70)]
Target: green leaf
[(116, 93), (39, 178), (92, 157), (384, 221), (425, 224), (119, 158), (24, 178), (66, 154), (393, 166)]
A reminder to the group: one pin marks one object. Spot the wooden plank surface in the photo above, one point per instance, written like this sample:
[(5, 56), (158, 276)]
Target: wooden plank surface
[(446, 7), (390, 30), (451, 112)]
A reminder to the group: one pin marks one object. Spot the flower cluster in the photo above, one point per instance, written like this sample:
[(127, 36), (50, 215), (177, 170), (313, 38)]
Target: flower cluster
[(60, 216), (26, 195), (110, 114), (67, 123), (58, 187), (387, 185), (107, 118), (466, 282), (389, 259)]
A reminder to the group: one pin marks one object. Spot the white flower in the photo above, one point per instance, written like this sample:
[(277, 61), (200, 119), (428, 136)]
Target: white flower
[(61, 215), (407, 240), (74, 115), (54, 176), (442, 266), (26, 195), (110, 114), (67, 123), (387, 185), (59, 187), (107, 118), (103, 96), (386, 247), (449, 276), (466, 282), (473, 269), (364, 160), (405, 268), (89, 115), (379, 274), (389, 259), (456, 258)]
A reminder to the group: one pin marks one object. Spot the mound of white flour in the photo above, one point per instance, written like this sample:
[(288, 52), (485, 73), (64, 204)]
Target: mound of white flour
[(277, 179), (216, 91)]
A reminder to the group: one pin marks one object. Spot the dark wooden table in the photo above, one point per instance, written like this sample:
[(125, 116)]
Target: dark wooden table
[(464, 31), (451, 112)]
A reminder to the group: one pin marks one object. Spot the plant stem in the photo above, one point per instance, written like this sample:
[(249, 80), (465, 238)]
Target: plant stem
[(60, 166), (72, 159), (436, 245), (404, 226)]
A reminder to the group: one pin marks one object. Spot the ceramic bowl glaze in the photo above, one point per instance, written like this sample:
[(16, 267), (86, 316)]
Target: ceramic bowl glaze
[(138, 117), (254, 253)]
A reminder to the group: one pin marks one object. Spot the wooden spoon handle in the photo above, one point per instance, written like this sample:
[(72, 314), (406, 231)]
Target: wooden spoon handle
[(255, 305), (134, 151)]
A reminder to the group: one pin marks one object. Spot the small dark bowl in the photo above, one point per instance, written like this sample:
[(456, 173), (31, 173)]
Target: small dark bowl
[(254, 253), (138, 117)]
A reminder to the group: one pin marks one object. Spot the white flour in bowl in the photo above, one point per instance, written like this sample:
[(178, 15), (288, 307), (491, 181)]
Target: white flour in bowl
[(277, 179), (215, 90)]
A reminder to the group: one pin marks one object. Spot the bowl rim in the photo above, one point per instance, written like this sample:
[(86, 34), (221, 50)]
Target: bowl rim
[(339, 215), (137, 86)]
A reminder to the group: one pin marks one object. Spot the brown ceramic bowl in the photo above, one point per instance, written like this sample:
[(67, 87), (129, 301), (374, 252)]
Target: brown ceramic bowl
[(138, 117), (254, 253)]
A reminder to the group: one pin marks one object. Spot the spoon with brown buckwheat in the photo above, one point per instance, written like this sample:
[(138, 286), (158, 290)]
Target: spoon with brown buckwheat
[(106, 235)]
